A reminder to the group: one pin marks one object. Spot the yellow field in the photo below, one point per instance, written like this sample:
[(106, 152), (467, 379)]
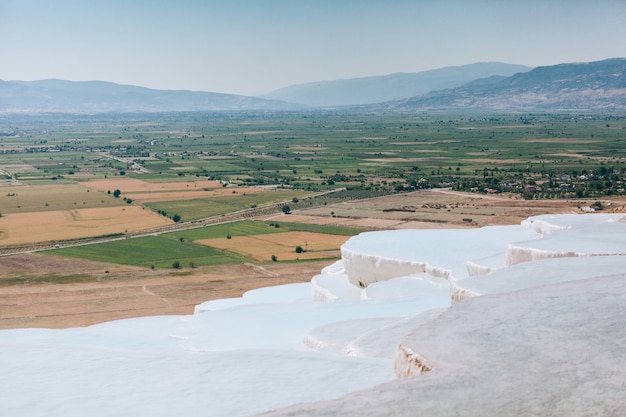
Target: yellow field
[(50, 197), (21, 228), (131, 185), (51, 212), (283, 245), (144, 192)]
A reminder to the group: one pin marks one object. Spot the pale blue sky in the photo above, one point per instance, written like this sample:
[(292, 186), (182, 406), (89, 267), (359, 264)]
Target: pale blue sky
[(251, 47)]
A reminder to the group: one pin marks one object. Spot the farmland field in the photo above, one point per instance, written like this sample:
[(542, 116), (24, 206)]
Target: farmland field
[(22, 228), (234, 242), (319, 150), (135, 185), (51, 197), (59, 175), (222, 203), (262, 247), (191, 166), (66, 176), (152, 251)]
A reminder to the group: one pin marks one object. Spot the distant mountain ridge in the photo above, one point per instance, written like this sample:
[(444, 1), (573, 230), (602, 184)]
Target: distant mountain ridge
[(599, 85), (101, 97), (377, 89)]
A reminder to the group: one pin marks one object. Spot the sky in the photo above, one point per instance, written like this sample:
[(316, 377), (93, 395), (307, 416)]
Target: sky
[(253, 47)]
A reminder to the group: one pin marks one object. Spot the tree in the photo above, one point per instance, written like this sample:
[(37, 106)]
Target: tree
[(299, 249), (286, 209), (176, 218), (274, 258), (117, 193), (176, 264)]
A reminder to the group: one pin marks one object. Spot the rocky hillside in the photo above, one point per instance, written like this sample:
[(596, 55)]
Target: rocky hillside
[(597, 85), (379, 89)]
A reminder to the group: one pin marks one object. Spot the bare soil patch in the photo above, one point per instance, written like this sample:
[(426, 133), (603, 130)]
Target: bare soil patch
[(126, 292), (440, 209)]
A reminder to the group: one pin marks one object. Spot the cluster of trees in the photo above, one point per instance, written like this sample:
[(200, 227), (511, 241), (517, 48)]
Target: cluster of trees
[(584, 183), (176, 217)]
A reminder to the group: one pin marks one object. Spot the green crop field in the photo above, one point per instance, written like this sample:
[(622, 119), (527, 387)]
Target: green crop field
[(154, 251), (240, 228), (318, 228), (161, 251)]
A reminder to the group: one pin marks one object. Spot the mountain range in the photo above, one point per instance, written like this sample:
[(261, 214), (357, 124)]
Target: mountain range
[(599, 85), (102, 97), (368, 90)]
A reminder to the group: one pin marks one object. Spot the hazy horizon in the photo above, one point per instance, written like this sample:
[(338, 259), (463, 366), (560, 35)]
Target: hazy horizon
[(252, 47)]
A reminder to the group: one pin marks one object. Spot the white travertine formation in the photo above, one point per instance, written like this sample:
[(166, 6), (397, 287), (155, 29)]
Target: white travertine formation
[(555, 350), (592, 235), (377, 256), (537, 273)]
